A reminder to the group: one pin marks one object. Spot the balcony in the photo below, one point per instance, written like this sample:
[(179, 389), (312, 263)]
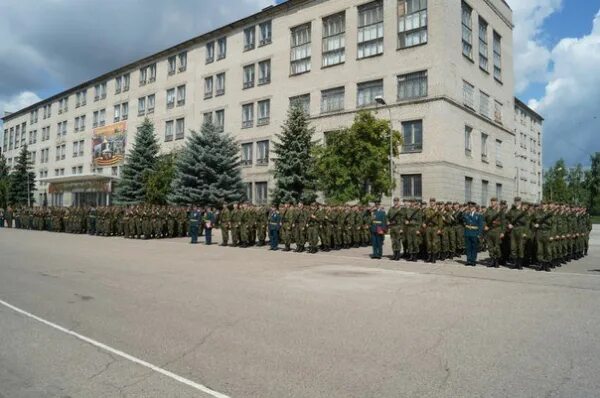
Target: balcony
[(246, 124), (412, 148), (262, 121), (249, 46), (170, 104), (262, 162), (220, 91), (246, 162), (248, 84), (264, 80), (264, 42), (181, 102), (208, 95)]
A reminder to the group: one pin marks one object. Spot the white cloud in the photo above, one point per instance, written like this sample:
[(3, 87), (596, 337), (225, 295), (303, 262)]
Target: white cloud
[(18, 101), (571, 102), (532, 57)]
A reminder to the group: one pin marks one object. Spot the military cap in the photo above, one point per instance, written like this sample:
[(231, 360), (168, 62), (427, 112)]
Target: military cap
[(432, 200), (503, 202), (518, 199), (472, 204), (493, 199)]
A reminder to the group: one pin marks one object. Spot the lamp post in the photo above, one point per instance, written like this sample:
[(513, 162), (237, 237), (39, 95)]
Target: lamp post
[(381, 101)]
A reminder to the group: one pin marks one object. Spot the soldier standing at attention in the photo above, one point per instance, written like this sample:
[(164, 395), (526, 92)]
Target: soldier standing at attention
[(542, 223), (378, 230), (494, 231), (518, 220), (9, 217), (225, 224), (208, 220), (396, 228), (412, 224), (274, 227), (312, 229), (286, 226), (194, 222), (473, 228), (432, 224), (299, 226)]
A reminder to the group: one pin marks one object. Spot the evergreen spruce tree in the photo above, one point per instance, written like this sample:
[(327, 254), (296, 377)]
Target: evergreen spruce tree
[(294, 178), (19, 180), (208, 170), (140, 163), (3, 182)]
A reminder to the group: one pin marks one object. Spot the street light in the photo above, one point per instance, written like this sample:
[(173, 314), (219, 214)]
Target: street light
[(381, 101)]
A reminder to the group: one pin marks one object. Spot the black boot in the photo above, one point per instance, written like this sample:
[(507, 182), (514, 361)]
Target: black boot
[(434, 258), (519, 264)]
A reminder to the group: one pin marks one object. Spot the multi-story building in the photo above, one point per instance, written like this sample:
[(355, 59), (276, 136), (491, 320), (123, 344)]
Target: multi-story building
[(443, 68), (528, 153)]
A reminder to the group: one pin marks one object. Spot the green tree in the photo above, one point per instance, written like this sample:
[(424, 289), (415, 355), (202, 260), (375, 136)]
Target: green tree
[(555, 183), (576, 185), (140, 163), (294, 160), (593, 184), (22, 181), (158, 183), (208, 170), (3, 182), (354, 163)]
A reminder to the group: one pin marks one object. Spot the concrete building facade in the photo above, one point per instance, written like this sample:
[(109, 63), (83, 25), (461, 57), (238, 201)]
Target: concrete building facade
[(444, 69), (528, 145)]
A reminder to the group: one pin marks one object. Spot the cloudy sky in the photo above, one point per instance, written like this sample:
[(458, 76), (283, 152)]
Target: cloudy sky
[(49, 45)]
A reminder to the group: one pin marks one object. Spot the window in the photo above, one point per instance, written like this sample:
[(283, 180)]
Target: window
[(220, 120), (264, 72), (467, 31), (63, 105), (247, 155), (126, 82), (469, 94), (78, 148), (210, 52), (499, 191), (125, 111), (47, 111), (249, 76), (114, 171), (99, 91), (150, 102), (497, 112), (413, 85), (208, 87), (249, 192), (181, 95), (46, 132), (484, 104), (498, 153), (301, 51), (169, 130), (497, 56), (172, 65), (264, 112), (483, 44), (62, 128), (411, 186), (32, 156), (367, 92), (141, 106), (182, 61), (143, 76), (412, 23), (302, 101), (180, 129), (370, 29), (412, 133), (222, 48), (262, 153), (468, 189), (484, 147), (468, 140), (61, 152), (80, 99), (208, 118), (484, 192), (332, 100), (334, 39), (261, 193), (118, 84), (249, 38), (151, 73), (220, 89), (265, 33), (247, 115), (117, 113)]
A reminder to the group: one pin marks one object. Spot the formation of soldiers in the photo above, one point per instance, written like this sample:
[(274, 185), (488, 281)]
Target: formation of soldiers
[(542, 236), (135, 222), (308, 227)]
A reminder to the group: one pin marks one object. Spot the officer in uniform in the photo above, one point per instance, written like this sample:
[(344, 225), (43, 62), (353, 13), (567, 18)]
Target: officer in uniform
[(396, 224), (208, 221), (194, 222), (287, 219), (378, 229), (518, 221), (432, 224), (274, 227), (542, 222), (473, 228), (494, 231), (312, 229)]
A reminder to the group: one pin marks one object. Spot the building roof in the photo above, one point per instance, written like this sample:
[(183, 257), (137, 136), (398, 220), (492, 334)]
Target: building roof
[(533, 113), (267, 11)]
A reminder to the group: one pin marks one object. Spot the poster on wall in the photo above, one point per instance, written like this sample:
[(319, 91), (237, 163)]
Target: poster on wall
[(108, 144)]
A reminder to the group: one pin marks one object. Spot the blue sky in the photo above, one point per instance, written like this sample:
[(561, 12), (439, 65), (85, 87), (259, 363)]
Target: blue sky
[(556, 53)]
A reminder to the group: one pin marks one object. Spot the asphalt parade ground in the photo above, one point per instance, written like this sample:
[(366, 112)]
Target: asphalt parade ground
[(84, 316)]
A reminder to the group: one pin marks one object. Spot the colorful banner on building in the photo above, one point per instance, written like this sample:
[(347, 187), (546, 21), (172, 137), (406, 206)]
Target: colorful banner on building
[(108, 144)]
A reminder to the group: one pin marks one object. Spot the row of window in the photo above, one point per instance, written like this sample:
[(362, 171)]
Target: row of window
[(262, 153), (174, 129), (467, 42), (412, 188), (487, 105), (411, 29), (484, 146), (258, 192)]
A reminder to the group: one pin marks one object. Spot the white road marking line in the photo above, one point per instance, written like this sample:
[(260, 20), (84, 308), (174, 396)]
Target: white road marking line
[(122, 354)]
